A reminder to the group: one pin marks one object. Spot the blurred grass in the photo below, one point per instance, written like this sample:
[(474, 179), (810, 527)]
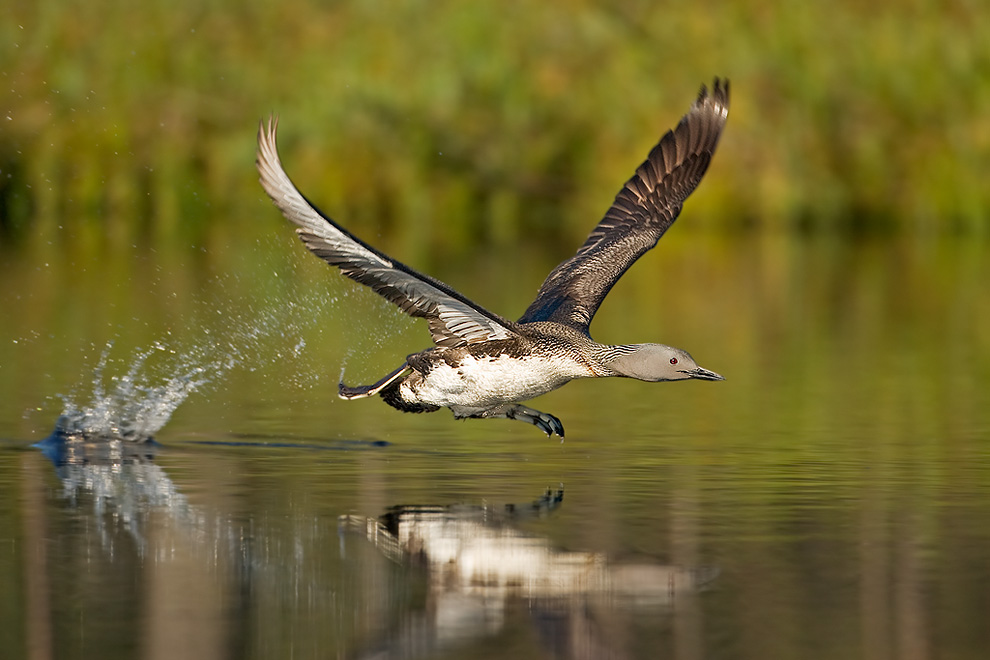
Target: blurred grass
[(497, 121)]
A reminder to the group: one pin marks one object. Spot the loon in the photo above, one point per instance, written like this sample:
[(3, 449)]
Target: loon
[(483, 365)]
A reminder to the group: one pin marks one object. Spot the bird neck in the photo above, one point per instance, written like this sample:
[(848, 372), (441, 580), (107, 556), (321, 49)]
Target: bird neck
[(609, 358)]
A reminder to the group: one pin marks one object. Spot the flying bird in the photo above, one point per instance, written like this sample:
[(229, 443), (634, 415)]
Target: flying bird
[(484, 365)]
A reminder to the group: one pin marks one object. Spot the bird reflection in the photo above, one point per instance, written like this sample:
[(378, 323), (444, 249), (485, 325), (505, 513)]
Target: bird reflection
[(481, 567), (457, 575)]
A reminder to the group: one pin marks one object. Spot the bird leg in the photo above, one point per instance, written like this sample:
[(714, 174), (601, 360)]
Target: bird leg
[(543, 421), (361, 391)]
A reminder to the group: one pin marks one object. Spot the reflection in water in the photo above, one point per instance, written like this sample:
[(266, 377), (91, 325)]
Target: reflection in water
[(132, 563), (149, 569), (121, 479), (840, 511), (479, 565)]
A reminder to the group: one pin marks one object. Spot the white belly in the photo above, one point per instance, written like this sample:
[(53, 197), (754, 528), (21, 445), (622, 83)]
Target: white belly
[(486, 382)]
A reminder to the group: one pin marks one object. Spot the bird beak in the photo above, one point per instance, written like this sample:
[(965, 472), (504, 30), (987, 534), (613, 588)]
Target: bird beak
[(702, 374)]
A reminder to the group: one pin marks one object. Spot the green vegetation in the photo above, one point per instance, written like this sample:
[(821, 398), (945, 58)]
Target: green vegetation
[(127, 121)]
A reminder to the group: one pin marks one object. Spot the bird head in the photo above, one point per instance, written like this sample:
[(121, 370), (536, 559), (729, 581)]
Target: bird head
[(656, 362)]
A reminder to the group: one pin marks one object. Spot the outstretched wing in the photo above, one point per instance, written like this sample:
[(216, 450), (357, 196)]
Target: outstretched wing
[(453, 319), (643, 210)]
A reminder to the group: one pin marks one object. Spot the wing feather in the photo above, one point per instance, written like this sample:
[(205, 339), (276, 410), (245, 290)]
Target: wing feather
[(642, 211), (453, 319)]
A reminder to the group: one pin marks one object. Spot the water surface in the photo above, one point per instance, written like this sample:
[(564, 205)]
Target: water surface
[(826, 501)]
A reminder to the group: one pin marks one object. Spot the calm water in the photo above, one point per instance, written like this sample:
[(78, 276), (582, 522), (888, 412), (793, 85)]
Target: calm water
[(830, 499)]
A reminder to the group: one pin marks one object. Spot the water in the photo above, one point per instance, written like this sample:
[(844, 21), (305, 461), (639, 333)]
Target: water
[(826, 500)]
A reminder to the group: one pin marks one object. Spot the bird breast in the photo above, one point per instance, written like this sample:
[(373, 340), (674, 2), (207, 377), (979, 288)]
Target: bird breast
[(486, 381)]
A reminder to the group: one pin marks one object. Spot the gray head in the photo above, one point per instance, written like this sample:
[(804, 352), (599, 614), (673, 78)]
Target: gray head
[(655, 362)]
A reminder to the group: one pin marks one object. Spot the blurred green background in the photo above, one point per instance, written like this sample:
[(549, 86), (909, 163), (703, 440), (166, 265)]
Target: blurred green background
[(130, 122)]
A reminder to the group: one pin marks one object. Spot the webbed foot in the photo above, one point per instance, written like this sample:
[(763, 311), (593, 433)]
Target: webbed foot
[(541, 420)]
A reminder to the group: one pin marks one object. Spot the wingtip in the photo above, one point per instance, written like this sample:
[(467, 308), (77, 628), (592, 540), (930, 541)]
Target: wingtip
[(719, 96), (267, 130), (720, 91), (266, 157)]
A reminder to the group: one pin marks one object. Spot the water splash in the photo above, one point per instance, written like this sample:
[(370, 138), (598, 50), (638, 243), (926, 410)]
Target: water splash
[(136, 405), (133, 398)]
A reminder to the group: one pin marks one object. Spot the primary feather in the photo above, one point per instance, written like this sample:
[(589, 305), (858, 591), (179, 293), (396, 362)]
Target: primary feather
[(642, 211)]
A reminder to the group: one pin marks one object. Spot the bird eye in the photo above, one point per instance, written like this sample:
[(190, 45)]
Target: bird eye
[(673, 360)]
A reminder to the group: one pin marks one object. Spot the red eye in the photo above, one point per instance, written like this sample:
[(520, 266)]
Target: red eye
[(673, 360)]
